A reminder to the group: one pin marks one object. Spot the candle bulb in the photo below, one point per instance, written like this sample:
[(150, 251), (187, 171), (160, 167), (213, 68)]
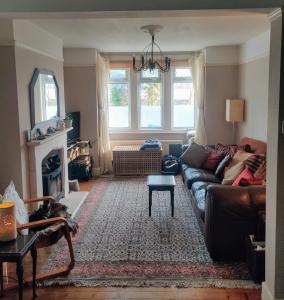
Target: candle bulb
[(8, 228)]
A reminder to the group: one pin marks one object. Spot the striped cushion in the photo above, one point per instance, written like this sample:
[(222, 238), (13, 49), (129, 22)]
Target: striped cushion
[(232, 149), (254, 162)]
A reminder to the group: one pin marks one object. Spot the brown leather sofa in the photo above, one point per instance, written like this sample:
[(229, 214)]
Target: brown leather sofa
[(226, 214)]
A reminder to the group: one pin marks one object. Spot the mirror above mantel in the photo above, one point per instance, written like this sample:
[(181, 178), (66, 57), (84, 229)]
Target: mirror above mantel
[(44, 97)]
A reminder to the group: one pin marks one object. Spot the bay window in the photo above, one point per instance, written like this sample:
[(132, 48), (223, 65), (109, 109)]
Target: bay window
[(151, 100), (182, 99), (118, 96), (150, 96)]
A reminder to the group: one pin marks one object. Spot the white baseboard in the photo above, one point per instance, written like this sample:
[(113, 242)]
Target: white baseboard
[(266, 294)]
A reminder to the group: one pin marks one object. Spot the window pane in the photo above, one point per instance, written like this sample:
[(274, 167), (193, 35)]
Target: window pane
[(183, 105), (151, 113), (118, 105), (182, 72), (154, 74), (116, 74)]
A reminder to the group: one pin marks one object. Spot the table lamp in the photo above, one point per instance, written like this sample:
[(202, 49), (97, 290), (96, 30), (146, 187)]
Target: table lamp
[(234, 112), (8, 228)]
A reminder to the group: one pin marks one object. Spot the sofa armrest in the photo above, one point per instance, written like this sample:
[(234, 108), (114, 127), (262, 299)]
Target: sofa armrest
[(230, 215)]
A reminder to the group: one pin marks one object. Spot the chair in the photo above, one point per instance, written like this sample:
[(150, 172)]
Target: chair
[(55, 229)]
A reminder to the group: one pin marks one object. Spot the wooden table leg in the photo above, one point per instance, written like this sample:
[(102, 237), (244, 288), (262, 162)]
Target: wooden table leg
[(150, 201), (1, 279), (34, 256), (172, 201), (20, 274)]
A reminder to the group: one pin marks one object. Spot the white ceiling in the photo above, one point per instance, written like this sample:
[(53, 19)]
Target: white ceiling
[(183, 31)]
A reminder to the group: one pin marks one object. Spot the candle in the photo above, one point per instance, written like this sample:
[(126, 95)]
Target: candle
[(8, 228)]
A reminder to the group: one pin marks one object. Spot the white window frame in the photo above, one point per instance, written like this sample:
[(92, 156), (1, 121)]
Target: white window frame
[(175, 79), (113, 81), (140, 80)]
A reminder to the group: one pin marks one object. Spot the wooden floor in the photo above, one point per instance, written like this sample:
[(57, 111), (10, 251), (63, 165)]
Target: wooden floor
[(71, 293)]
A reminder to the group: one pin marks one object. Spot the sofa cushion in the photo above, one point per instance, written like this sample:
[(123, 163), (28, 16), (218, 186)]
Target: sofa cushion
[(195, 155), (192, 175), (199, 190)]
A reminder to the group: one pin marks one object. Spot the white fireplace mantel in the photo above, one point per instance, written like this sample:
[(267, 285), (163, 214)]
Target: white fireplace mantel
[(38, 150)]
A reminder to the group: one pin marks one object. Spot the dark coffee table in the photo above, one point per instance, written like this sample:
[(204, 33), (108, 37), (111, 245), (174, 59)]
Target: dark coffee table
[(15, 251), (161, 183)]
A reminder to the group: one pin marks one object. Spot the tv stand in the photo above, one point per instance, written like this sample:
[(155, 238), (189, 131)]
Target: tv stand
[(79, 161)]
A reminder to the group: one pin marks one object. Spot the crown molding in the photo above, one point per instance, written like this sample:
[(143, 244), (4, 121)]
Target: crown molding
[(275, 14), (13, 43)]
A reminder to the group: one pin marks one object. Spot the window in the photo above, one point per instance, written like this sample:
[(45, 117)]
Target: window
[(150, 104), (118, 97), (182, 99)]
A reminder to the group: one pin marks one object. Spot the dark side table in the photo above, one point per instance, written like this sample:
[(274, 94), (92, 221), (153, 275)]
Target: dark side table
[(161, 183), (15, 251)]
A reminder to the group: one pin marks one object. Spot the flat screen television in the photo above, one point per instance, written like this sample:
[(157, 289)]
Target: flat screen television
[(74, 135)]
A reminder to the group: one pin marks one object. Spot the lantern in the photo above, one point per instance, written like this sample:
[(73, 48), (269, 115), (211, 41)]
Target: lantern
[(8, 227)]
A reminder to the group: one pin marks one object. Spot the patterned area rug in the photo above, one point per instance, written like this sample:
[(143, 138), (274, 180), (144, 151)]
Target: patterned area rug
[(118, 244)]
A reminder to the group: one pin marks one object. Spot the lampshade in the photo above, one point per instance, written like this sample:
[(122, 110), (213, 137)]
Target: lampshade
[(8, 228), (234, 110)]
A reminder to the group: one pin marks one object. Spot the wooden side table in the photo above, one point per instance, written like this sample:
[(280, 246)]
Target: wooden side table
[(15, 251)]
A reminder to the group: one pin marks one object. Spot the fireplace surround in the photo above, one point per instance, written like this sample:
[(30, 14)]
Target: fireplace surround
[(38, 151)]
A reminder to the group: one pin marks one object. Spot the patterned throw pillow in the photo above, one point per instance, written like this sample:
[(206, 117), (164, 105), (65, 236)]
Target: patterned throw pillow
[(11, 195), (194, 155), (260, 173), (213, 160), (254, 162), (232, 149)]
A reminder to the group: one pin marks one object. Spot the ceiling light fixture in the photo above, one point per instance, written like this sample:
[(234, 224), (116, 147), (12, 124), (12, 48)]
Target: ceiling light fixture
[(152, 56)]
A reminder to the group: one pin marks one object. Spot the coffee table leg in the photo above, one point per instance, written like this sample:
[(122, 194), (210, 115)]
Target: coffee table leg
[(150, 201), (34, 256), (1, 278), (20, 274), (172, 201)]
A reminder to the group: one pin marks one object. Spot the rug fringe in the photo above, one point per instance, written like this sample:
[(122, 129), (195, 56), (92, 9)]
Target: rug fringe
[(157, 282)]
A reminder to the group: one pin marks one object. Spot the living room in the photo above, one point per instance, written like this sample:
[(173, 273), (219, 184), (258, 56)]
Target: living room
[(236, 66)]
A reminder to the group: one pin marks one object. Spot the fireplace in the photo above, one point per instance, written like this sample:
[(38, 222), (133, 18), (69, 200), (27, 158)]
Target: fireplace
[(52, 175)]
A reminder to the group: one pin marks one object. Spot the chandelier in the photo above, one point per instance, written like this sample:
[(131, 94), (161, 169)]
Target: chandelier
[(152, 56)]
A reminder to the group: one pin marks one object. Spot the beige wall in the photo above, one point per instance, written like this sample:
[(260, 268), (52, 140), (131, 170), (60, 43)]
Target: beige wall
[(80, 94), (253, 87), (10, 161), (221, 83), (26, 62)]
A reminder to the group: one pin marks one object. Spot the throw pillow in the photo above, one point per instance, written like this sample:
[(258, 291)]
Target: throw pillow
[(260, 173), (222, 165), (213, 160), (232, 149), (254, 162), (231, 173), (239, 156), (11, 195), (195, 155), (245, 175)]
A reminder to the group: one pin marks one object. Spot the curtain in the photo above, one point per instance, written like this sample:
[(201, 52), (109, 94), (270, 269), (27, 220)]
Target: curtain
[(105, 155), (197, 62)]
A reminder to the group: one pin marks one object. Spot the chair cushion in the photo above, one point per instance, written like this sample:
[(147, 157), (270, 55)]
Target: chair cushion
[(192, 175), (199, 190)]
